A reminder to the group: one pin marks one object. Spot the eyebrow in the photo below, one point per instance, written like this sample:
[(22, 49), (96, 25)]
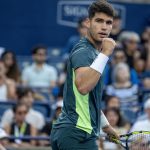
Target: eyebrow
[(101, 19)]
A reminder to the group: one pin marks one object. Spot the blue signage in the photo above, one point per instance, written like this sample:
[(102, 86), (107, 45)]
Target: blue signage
[(69, 12)]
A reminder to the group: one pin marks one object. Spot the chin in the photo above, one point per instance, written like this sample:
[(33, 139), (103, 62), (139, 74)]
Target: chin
[(99, 40)]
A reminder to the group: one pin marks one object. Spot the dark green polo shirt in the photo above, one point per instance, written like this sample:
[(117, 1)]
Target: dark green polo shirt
[(81, 111)]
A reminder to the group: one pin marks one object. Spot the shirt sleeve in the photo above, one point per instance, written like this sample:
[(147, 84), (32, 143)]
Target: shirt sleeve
[(7, 118), (81, 58), (53, 74), (25, 75)]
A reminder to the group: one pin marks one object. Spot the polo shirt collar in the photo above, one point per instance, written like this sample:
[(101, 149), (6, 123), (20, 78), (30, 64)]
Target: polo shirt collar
[(34, 66)]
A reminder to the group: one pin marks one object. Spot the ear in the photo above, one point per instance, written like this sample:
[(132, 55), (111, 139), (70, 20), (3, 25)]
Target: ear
[(33, 56), (88, 22)]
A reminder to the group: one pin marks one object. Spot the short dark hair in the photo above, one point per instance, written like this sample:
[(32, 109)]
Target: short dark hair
[(23, 91), (101, 6), (16, 106), (80, 21), (36, 48), (120, 121), (109, 98)]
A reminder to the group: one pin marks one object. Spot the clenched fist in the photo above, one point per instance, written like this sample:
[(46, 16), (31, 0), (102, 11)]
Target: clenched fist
[(108, 45)]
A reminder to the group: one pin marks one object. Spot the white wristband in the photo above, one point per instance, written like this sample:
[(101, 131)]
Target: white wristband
[(99, 63)]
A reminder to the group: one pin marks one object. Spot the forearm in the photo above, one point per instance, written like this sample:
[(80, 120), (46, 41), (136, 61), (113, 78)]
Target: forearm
[(11, 92)]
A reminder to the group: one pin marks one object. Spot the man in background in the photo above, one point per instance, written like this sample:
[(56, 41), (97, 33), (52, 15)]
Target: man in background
[(39, 74), (73, 40)]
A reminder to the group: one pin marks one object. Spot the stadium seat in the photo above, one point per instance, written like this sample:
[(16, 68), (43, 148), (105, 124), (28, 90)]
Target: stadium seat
[(23, 61), (43, 107), (54, 51)]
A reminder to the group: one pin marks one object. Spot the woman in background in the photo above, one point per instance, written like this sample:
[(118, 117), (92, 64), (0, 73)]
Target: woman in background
[(115, 120), (12, 70), (123, 88)]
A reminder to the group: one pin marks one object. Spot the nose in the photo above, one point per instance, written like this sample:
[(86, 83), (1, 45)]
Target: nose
[(104, 26)]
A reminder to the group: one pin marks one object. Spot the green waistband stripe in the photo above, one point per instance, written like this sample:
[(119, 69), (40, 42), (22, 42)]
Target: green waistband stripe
[(82, 109)]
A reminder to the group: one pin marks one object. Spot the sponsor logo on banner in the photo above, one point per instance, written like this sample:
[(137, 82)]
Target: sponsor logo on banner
[(69, 12)]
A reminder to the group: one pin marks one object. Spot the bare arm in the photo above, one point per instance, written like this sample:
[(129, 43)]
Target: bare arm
[(33, 133), (11, 87), (85, 79), (7, 130)]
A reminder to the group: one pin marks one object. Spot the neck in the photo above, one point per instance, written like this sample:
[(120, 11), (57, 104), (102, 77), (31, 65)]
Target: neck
[(129, 52), (20, 124), (123, 84), (1, 80), (96, 44), (39, 65)]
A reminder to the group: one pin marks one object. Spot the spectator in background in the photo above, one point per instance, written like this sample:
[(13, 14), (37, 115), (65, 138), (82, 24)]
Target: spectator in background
[(130, 42), (19, 128), (146, 83), (123, 88), (61, 82), (7, 86), (118, 57), (114, 102), (63, 75), (33, 117), (73, 40), (139, 66), (115, 120), (39, 74), (145, 37), (143, 123), (12, 70), (146, 52), (117, 27)]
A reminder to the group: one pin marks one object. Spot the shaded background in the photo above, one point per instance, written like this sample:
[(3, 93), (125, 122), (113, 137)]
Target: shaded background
[(24, 23)]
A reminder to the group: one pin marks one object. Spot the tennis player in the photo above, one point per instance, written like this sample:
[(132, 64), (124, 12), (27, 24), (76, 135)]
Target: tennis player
[(79, 123)]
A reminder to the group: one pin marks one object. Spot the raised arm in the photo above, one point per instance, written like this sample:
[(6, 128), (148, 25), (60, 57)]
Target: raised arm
[(86, 78)]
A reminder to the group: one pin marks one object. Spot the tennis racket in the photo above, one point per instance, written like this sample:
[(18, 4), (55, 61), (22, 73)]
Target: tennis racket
[(137, 140)]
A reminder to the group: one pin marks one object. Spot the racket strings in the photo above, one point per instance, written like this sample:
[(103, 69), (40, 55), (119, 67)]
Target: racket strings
[(140, 141)]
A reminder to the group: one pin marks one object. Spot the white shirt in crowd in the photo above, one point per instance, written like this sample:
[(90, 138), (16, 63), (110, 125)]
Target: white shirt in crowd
[(3, 93), (36, 77), (35, 118), (141, 125)]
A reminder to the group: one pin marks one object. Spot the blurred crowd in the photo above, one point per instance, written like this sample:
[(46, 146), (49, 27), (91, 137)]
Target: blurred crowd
[(125, 101)]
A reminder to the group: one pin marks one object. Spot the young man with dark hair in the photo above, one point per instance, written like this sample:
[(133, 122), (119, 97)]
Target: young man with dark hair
[(79, 123), (39, 74)]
